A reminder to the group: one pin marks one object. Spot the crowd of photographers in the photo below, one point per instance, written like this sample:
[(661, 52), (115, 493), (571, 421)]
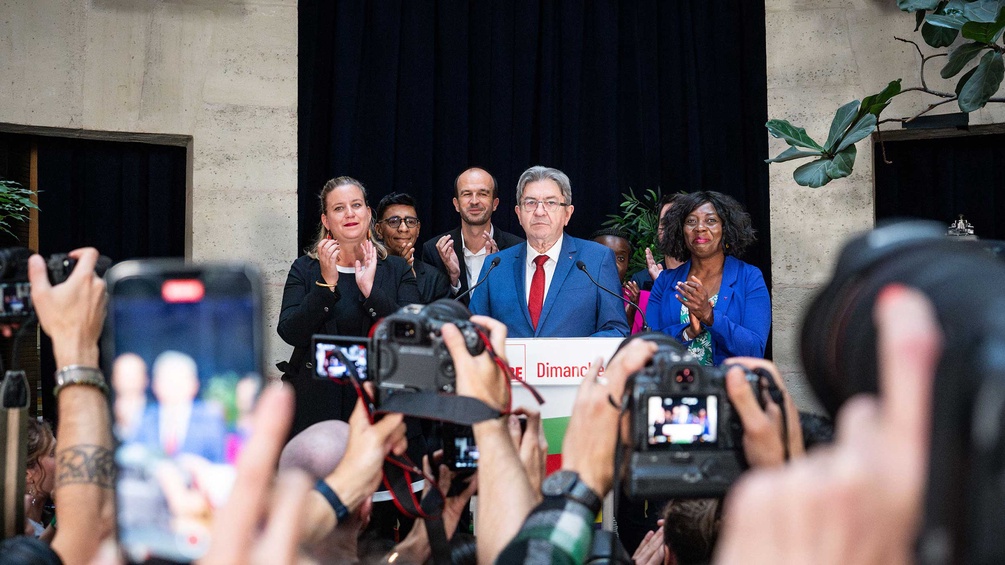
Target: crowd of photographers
[(858, 500)]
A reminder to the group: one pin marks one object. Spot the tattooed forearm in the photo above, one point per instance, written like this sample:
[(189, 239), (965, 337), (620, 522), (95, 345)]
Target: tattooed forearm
[(91, 464)]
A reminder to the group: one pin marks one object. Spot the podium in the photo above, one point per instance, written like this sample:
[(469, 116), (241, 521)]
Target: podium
[(555, 366)]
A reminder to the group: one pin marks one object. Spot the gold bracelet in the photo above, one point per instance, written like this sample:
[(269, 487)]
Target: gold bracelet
[(323, 285)]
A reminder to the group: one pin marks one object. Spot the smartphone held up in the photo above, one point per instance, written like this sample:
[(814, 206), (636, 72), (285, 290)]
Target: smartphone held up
[(184, 346)]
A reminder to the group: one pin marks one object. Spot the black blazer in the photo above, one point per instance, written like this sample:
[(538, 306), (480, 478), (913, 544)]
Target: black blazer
[(309, 309), (432, 256), (433, 285)]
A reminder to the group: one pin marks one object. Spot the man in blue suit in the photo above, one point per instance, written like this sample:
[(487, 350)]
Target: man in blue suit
[(537, 289), (178, 422)]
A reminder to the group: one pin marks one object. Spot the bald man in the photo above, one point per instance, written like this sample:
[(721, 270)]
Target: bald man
[(460, 253)]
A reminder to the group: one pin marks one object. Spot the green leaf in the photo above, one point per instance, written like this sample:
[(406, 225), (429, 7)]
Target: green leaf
[(983, 83), (963, 80), (862, 128), (949, 15), (915, 5), (876, 103), (843, 118), (984, 32), (792, 153), (938, 36), (919, 18), (959, 57), (813, 174), (842, 163), (795, 137), (982, 10)]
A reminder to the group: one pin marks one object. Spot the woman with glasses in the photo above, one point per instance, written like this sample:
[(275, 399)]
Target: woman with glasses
[(342, 286), (398, 228), (715, 304)]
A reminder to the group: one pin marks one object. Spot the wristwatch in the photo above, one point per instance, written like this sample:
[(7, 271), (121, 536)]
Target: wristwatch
[(80, 375), (568, 484)]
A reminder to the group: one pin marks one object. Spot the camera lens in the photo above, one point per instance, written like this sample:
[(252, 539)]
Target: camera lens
[(961, 278)]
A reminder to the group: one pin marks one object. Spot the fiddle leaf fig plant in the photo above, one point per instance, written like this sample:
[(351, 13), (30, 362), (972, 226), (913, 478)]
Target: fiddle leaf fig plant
[(942, 22), (15, 203), (639, 218)]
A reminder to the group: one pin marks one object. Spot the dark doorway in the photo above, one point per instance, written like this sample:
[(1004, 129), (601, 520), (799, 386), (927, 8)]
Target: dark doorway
[(126, 198), (940, 174)]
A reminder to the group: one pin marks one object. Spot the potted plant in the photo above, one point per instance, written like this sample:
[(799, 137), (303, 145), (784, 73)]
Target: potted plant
[(15, 205)]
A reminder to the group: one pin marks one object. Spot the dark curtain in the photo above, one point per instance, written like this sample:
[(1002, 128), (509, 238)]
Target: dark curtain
[(404, 95), (125, 199), (939, 179)]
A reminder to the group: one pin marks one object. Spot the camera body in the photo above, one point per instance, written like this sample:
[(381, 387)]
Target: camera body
[(687, 441), (15, 289), (408, 353)]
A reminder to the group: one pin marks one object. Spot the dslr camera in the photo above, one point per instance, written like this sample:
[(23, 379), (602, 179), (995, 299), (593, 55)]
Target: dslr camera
[(686, 439), (405, 354), (408, 352), (14, 286)]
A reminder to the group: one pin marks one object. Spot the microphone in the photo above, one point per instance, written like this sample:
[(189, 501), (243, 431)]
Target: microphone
[(582, 267), (492, 265)]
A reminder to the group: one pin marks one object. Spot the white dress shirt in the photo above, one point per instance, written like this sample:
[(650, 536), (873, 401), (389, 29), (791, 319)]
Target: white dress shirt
[(549, 266), (474, 261)]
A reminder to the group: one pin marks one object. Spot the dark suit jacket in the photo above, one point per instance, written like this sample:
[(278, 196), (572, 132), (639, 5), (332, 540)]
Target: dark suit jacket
[(430, 255), (433, 285), (309, 309), (573, 307), (204, 436)]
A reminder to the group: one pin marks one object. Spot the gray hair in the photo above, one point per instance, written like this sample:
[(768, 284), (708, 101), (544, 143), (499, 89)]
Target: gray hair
[(177, 363), (538, 172)]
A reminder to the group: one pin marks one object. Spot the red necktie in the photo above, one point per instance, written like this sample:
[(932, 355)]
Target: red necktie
[(536, 300)]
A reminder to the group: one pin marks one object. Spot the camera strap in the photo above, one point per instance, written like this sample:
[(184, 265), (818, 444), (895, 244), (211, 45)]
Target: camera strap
[(399, 474), (442, 407)]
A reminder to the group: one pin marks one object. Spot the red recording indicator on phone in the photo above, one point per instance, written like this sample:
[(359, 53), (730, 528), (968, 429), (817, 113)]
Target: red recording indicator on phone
[(182, 291)]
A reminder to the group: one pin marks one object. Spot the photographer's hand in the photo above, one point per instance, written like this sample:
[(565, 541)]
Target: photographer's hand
[(72, 314), (479, 377), (505, 495), (359, 472), (860, 500), (591, 437), (237, 537), (763, 434), (531, 445)]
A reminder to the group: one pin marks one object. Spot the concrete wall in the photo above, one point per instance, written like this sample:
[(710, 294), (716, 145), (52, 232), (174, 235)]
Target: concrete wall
[(223, 72), (822, 54)]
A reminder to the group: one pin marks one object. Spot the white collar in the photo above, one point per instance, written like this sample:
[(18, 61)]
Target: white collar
[(553, 252)]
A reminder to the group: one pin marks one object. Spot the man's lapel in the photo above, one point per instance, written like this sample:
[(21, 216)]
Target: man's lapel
[(459, 250), (520, 283)]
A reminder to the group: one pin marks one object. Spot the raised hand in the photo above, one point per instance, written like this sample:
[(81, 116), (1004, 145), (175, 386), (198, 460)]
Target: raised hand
[(408, 253), (654, 267), (328, 251), (365, 270), (490, 244), (445, 247), (694, 295)]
